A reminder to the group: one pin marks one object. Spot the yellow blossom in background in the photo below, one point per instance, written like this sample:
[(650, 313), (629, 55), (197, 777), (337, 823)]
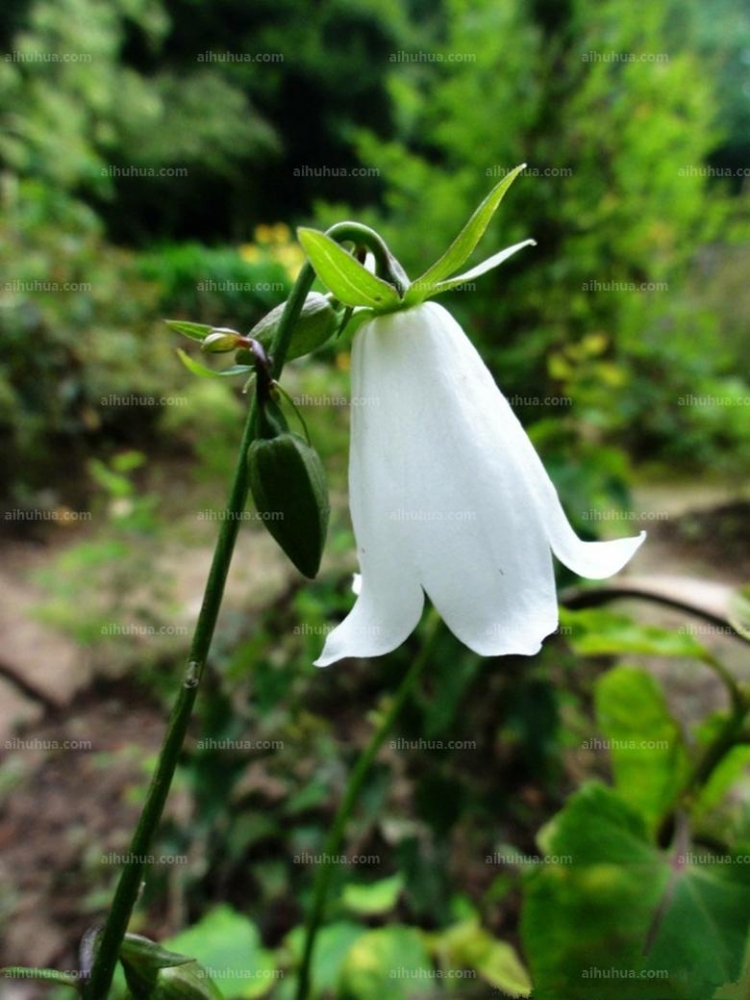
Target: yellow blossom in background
[(274, 242), (250, 253)]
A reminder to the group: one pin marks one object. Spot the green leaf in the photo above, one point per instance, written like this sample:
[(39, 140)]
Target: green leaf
[(332, 945), (391, 962), (375, 898), (704, 930), (593, 912), (733, 766), (195, 331), (228, 946), (587, 923), (740, 989), (480, 269), (468, 945), (597, 632), (648, 754), (739, 611), (350, 281), (463, 246), (198, 369)]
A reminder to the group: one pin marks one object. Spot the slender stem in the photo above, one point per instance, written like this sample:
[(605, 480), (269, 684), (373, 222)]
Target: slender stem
[(354, 785), (126, 894), (129, 884), (283, 334)]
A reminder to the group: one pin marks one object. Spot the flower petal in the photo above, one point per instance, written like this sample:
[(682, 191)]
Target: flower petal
[(390, 600), (482, 556), (486, 406), (448, 493)]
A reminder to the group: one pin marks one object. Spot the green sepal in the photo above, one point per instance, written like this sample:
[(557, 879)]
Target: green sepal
[(140, 950), (344, 276), (317, 323), (289, 488), (356, 320), (480, 269), (195, 331), (201, 370), (154, 973), (463, 246), (188, 981), (51, 975)]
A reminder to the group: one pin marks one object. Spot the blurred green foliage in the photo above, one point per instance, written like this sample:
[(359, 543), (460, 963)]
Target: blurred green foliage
[(154, 176), (458, 883), (147, 123)]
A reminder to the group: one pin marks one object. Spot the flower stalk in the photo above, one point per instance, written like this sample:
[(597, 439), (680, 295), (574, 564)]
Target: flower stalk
[(107, 950), (354, 785)]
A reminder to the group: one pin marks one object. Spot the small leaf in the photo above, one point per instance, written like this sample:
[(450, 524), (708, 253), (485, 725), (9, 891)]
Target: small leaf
[(228, 946), (368, 971), (462, 247), (51, 975), (332, 945), (480, 269), (350, 281), (598, 632), (375, 898), (467, 945), (198, 369), (649, 759), (734, 764), (143, 951), (739, 612), (195, 331)]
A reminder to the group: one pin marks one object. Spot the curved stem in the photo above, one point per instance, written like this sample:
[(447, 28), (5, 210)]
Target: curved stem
[(387, 267), (342, 232), (359, 773)]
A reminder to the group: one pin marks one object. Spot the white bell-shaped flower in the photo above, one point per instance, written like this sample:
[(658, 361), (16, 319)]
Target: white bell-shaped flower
[(449, 498)]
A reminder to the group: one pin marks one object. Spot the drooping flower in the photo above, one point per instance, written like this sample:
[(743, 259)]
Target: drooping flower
[(447, 494), (449, 498)]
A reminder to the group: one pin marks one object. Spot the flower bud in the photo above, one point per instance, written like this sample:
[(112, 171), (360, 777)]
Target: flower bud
[(317, 323), (220, 341), (289, 488)]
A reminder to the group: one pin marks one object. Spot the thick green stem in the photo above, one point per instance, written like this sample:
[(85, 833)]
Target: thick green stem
[(359, 773), (128, 887)]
